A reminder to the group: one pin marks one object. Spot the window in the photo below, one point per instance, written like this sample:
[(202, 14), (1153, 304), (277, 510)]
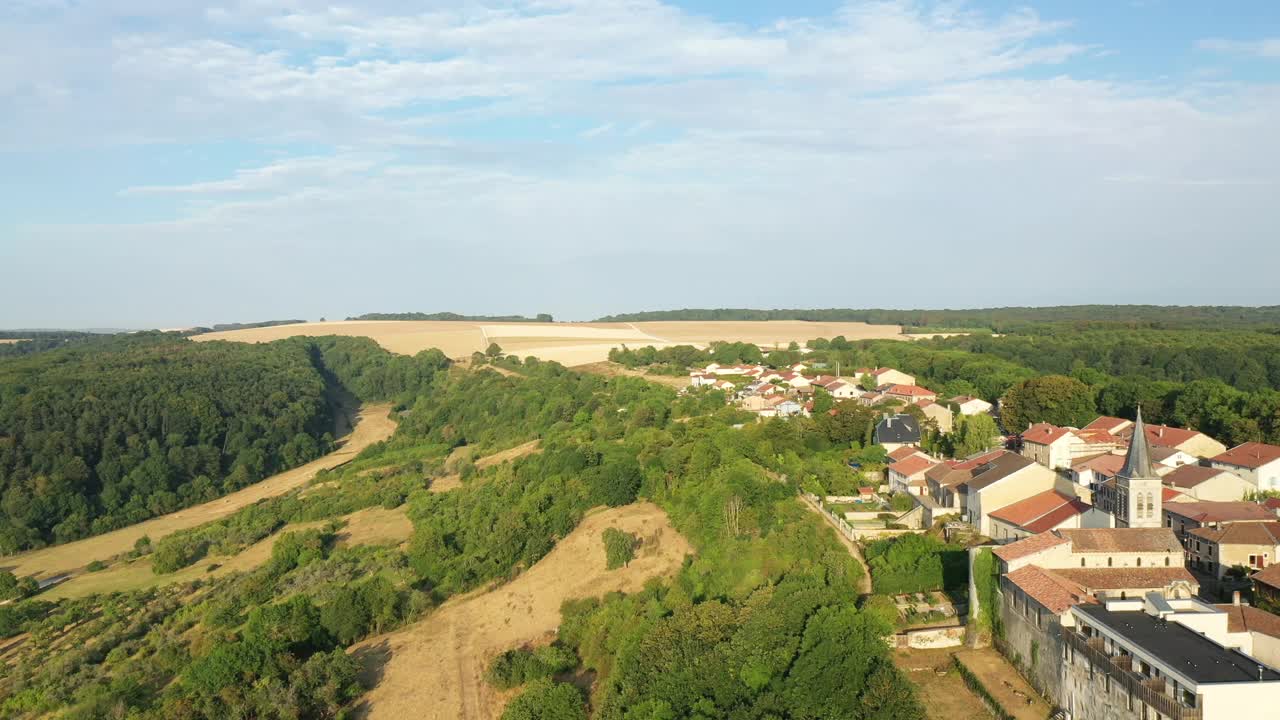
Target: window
[(1081, 562), (1166, 561), (1108, 562), (1139, 562)]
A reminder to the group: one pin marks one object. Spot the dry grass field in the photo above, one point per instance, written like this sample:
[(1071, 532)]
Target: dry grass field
[(10, 341), (434, 669), (371, 526), (570, 344), (453, 480), (372, 425), (942, 690)]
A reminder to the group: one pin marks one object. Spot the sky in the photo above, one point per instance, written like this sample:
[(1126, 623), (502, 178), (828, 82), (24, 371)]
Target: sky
[(166, 163)]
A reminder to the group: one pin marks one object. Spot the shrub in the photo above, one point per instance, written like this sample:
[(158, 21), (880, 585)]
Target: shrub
[(520, 666), (619, 548), (547, 700), (96, 566)]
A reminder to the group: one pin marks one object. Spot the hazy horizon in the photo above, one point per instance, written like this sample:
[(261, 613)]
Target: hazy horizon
[(172, 164)]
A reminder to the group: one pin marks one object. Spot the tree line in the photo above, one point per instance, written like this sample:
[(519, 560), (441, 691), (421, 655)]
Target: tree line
[(98, 436), (1000, 320), (540, 317)]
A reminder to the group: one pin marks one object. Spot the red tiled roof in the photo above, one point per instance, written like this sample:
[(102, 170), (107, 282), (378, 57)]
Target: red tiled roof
[(1028, 546), (1107, 424), (912, 465), (977, 460), (1098, 437), (1247, 533), (1268, 576), (1044, 434), (1245, 618), (1249, 455), (1054, 518), (1169, 495), (924, 402), (1094, 579), (1164, 436), (910, 390), (1056, 593), (1032, 508), (903, 453), (1122, 540), (1189, 476), (1107, 464), (1271, 503), (1206, 511)]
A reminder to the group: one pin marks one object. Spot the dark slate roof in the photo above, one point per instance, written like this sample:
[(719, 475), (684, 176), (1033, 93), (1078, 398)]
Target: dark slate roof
[(997, 470), (1181, 648), (1137, 463), (898, 429)]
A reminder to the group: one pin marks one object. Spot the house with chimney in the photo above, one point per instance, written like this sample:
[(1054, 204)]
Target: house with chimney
[(1256, 463), (897, 431), (1250, 545), (1058, 447), (970, 405)]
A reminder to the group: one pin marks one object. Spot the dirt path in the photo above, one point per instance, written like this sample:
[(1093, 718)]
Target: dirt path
[(941, 689), (373, 424), (864, 583), (454, 480), (434, 668)]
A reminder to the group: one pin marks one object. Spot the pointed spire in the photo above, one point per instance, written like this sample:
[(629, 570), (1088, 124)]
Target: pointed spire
[(1137, 463)]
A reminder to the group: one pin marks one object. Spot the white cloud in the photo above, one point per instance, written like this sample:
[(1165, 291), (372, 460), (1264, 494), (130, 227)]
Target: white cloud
[(1266, 48), (454, 136)]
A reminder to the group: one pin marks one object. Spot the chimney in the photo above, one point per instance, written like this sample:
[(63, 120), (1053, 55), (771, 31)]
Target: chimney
[(1235, 598)]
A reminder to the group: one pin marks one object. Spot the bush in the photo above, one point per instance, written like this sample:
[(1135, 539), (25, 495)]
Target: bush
[(96, 566), (547, 700), (916, 563), (520, 666), (902, 502), (619, 548)]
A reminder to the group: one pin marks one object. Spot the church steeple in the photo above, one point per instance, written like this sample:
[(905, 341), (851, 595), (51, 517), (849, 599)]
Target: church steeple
[(1139, 495), (1137, 463)]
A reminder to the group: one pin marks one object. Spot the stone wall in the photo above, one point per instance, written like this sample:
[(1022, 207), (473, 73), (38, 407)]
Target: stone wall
[(929, 638), (1036, 651)]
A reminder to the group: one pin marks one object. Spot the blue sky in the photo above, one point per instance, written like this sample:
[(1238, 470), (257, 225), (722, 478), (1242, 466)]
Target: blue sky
[(165, 163)]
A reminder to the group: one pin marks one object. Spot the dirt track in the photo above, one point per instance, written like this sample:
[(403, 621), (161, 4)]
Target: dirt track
[(372, 425), (433, 670)]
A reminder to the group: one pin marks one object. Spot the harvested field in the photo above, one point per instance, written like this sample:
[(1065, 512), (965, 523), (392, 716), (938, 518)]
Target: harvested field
[(942, 690), (376, 526), (567, 343), (434, 668), (11, 341), (372, 425), (453, 480)]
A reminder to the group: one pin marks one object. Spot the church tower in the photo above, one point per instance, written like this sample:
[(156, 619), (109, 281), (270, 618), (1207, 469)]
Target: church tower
[(1138, 488)]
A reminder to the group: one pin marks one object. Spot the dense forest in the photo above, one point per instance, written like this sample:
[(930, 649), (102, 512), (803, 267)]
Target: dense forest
[(540, 317), (97, 436), (763, 622), (1001, 320)]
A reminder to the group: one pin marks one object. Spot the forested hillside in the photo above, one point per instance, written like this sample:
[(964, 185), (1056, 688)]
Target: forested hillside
[(106, 434), (997, 319), (762, 623)]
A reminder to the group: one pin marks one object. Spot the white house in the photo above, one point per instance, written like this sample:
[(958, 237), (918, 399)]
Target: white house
[(1256, 463), (969, 405), (702, 380)]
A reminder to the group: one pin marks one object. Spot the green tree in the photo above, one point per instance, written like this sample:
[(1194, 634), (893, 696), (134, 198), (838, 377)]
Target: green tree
[(974, 434), (1055, 399), (619, 547), (868, 382), (494, 350)]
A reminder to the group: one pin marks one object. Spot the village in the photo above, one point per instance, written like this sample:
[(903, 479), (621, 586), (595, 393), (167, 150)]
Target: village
[(1133, 569)]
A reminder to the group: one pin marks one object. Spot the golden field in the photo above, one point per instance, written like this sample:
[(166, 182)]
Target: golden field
[(570, 344)]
